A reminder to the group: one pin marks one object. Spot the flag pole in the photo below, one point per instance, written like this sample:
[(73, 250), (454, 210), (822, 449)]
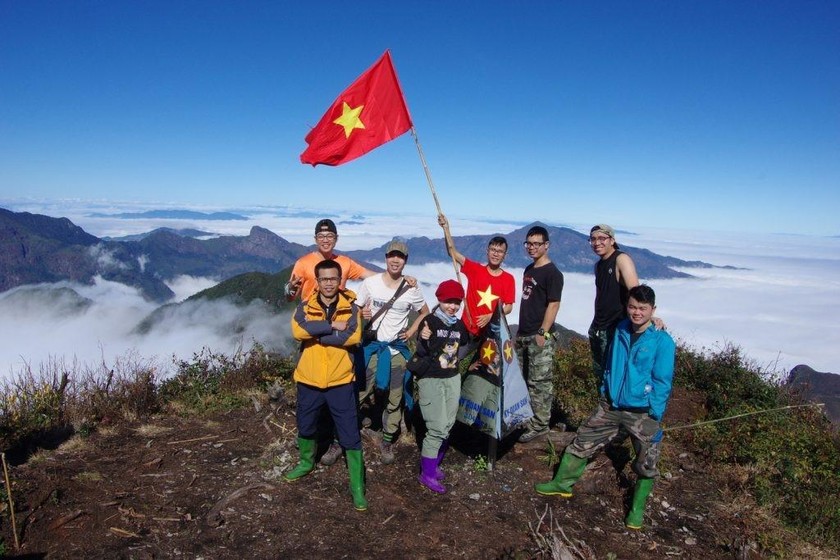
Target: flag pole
[(432, 188)]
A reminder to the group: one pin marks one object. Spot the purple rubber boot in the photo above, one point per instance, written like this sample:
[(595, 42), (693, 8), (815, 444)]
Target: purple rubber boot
[(428, 465), (439, 474)]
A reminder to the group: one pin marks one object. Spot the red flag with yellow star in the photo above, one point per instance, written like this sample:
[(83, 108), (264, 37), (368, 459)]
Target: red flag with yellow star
[(367, 114)]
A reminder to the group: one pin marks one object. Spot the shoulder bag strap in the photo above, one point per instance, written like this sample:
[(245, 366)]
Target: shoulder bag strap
[(389, 303)]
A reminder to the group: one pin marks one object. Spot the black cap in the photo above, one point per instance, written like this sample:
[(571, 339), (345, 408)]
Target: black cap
[(325, 225)]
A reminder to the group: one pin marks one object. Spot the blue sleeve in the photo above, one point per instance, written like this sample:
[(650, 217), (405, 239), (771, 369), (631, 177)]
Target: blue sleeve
[(608, 359), (349, 336), (304, 329), (662, 376)]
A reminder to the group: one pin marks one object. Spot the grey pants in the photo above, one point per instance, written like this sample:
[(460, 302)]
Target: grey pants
[(438, 399), (392, 409)]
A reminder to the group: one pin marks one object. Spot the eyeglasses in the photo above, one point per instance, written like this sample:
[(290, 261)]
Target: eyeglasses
[(533, 244), (325, 237), (496, 250), (602, 239), (329, 280)]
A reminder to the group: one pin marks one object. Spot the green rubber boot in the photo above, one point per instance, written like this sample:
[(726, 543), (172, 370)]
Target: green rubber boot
[(570, 469), (356, 468), (306, 447), (636, 516)]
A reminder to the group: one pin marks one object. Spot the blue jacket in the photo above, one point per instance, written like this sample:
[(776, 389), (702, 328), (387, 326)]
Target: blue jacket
[(640, 378)]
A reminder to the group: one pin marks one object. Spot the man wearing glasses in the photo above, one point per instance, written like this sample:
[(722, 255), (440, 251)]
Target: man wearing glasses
[(615, 275), (487, 284), (302, 281), (328, 325), (542, 287)]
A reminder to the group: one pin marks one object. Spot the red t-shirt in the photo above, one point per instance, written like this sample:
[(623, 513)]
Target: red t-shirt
[(484, 292)]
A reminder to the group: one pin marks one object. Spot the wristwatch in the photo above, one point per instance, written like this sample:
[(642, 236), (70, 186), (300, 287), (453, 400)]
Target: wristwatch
[(542, 332)]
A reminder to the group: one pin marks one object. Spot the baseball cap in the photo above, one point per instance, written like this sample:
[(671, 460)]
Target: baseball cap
[(398, 246), (449, 289), (603, 228), (325, 225)]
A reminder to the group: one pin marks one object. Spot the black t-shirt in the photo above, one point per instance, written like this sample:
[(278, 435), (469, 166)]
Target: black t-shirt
[(540, 286), (610, 294), (444, 342)]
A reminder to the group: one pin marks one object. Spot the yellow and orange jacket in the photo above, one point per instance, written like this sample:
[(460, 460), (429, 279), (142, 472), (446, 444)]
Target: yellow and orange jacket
[(326, 356)]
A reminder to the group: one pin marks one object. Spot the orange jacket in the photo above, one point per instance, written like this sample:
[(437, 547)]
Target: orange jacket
[(326, 356)]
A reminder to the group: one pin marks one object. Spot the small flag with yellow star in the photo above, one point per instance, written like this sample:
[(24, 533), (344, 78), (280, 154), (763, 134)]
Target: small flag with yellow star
[(494, 394), (367, 114)]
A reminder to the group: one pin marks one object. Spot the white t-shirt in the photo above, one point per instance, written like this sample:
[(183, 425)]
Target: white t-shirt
[(395, 319)]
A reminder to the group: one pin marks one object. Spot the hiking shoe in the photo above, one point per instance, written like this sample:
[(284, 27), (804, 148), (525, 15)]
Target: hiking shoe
[(332, 454), (532, 434), (367, 433), (386, 449)]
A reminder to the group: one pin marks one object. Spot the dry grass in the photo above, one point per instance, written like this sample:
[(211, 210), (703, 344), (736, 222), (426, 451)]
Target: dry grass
[(151, 430), (75, 444), (40, 456), (88, 476)]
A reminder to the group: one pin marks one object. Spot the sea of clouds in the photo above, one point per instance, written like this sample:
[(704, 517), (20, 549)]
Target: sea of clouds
[(778, 301)]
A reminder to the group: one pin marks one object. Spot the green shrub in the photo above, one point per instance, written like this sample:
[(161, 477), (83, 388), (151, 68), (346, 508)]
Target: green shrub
[(794, 460), (575, 387), (57, 396), (31, 403), (213, 381)]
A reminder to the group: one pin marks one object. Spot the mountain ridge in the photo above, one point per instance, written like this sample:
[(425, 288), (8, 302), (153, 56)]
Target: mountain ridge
[(39, 249)]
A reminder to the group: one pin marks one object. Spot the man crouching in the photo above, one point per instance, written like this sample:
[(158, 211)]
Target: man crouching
[(328, 325), (635, 390)]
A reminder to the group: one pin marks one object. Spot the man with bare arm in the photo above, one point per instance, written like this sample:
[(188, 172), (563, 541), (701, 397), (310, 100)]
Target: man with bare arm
[(615, 274)]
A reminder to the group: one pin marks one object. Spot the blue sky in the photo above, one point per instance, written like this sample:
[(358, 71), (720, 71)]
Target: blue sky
[(703, 115)]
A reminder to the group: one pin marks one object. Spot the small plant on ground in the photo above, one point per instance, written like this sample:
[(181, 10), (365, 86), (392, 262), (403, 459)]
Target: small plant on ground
[(481, 464), (551, 457)]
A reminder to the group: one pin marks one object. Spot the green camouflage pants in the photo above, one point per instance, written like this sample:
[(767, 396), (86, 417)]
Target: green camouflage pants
[(391, 410), (606, 425), (538, 370), (599, 343)]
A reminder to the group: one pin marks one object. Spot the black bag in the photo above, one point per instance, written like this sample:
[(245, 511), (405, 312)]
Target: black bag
[(368, 334), (419, 365)]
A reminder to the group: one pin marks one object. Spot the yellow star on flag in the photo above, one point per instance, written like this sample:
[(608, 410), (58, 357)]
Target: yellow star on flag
[(349, 118), (487, 352), (487, 297), (508, 351)]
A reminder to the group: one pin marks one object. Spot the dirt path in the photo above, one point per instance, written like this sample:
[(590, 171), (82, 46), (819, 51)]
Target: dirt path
[(210, 488)]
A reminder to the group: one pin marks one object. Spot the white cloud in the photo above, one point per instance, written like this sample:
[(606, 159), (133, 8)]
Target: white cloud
[(185, 286), (86, 325), (780, 305), (105, 258)]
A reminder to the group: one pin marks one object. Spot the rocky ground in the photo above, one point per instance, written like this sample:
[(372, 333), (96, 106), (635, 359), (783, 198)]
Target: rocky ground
[(175, 487)]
